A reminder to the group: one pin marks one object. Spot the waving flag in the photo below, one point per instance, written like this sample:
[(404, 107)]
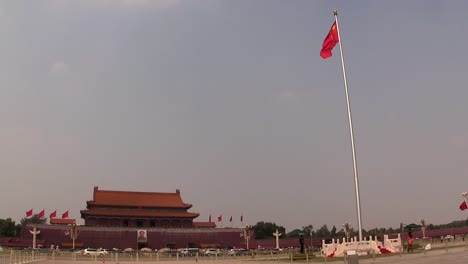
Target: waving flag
[(53, 214), (463, 206), (329, 42), (29, 213), (65, 215)]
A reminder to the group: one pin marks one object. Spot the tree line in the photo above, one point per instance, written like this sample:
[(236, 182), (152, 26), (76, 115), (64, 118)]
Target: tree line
[(9, 228), (265, 230)]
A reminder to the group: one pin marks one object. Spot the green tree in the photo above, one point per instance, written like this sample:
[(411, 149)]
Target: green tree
[(340, 234), (35, 219), (8, 228), (323, 232), (460, 223), (308, 230), (333, 231), (266, 229)]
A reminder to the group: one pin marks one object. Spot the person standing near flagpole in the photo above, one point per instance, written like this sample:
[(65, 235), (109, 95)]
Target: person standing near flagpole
[(329, 43)]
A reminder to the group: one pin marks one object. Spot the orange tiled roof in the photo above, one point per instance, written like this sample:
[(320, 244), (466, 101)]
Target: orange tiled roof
[(138, 199), (142, 213), (204, 224), (60, 221)]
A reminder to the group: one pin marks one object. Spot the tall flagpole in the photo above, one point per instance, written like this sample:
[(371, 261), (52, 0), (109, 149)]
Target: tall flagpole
[(351, 133)]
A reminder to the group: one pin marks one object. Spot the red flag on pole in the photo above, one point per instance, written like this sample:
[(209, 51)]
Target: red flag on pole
[(463, 206), (41, 214), (220, 218), (29, 213), (329, 42), (230, 219), (209, 219), (242, 218), (65, 215), (53, 214)]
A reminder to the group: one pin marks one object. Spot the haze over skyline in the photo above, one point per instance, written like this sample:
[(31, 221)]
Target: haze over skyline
[(230, 102)]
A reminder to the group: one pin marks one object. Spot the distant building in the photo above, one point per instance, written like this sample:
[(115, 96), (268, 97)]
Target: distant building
[(139, 209), (124, 219)]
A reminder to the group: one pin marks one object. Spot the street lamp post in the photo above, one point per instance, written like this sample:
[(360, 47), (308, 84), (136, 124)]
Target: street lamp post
[(347, 230), (73, 234), (311, 241), (247, 235), (423, 228), (34, 232)]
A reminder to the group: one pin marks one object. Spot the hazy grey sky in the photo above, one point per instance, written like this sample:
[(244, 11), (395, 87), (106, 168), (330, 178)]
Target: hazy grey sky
[(230, 102)]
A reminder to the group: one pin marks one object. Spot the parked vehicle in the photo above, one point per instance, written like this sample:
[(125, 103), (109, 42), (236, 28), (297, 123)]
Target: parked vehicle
[(129, 251), (237, 251), (189, 251), (95, 252), (212, 252), (168, 251)]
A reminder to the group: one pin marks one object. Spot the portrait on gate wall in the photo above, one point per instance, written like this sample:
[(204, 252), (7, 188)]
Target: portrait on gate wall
[(142, 235)]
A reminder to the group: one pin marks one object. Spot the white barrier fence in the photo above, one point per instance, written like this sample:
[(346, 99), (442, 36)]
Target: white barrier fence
[(366, 247)]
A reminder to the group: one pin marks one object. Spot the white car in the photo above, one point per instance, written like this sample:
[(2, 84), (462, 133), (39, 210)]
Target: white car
[(189, 251), (95, 252), (212, 252), (237, 251)]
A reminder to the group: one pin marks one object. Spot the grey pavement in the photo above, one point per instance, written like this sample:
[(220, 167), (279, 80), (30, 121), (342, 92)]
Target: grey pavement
[(453, 256)]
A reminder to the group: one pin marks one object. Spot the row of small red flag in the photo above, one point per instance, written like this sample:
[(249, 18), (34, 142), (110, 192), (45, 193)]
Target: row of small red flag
[(41, 214), (220, 218)]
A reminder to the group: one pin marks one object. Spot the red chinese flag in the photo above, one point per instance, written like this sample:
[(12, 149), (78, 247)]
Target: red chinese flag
[(220, 218), (329, 42), (41, 214), (230, 219), (209, 219), (65, 215), (463, 206), (53, 214), (29, 213)]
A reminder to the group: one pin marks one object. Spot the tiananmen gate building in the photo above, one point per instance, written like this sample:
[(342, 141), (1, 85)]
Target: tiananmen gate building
[(139, 209), (125, 219)]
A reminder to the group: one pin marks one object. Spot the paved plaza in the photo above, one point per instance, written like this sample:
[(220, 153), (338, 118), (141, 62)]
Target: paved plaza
[(453, 256)]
